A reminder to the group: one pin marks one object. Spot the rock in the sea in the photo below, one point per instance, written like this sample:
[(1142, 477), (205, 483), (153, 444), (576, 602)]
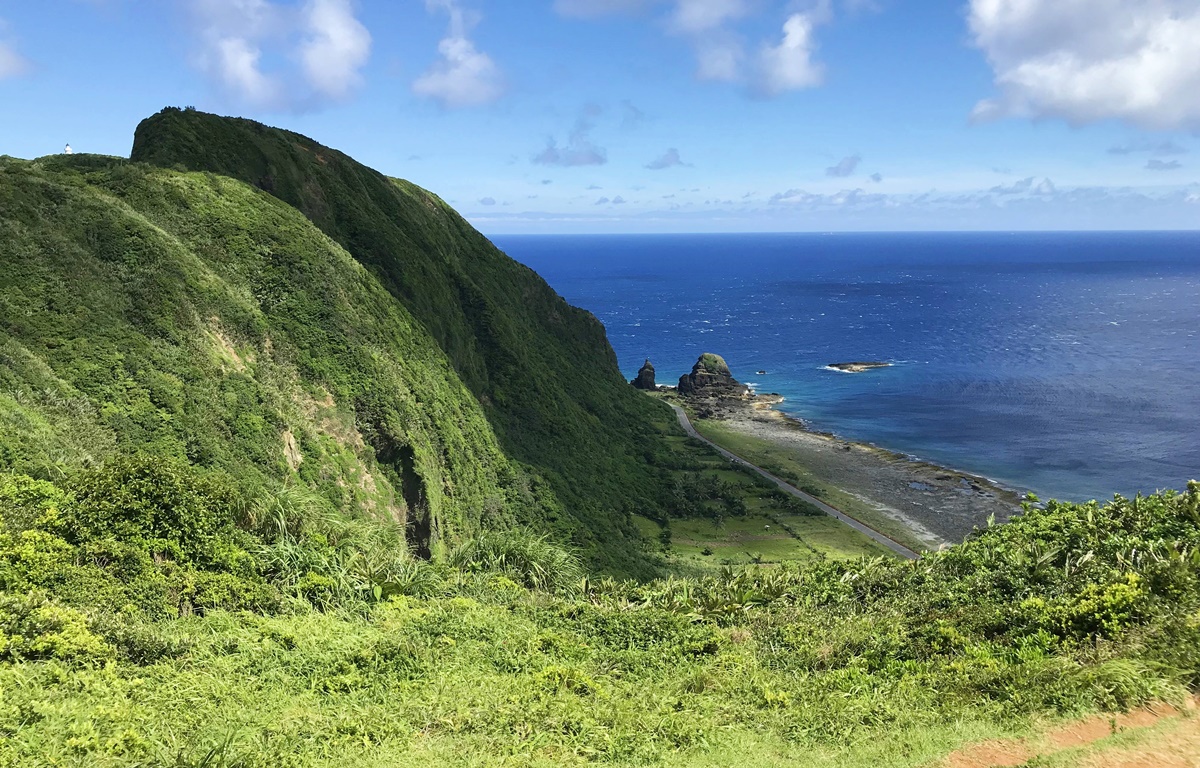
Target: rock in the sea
[(859, 367), (645, 378), (710, 377)]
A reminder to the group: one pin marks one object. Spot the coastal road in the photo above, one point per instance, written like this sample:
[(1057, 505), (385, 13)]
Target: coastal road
[(862, 528)]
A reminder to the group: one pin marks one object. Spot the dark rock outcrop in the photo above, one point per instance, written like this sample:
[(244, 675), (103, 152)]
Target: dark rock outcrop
[(710, 377), (645, 378)]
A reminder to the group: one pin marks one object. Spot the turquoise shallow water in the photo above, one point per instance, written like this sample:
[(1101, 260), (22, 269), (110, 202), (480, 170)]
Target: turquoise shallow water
[(1064, 363)]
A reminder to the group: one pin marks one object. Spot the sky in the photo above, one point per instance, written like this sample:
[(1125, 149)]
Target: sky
[(579, 116)]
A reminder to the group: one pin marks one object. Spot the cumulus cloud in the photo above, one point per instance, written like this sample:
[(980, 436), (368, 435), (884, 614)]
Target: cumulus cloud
[(580, 149), (487, 201), (783, 64), (1090, 60), (844, 167), (319, 47), (335, 48), (1158, 148), (876, 177), (669, 159), (463, 76), (789, 65), (12, 63), (1154, 164)]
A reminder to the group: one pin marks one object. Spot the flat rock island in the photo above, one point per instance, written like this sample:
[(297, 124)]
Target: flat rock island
[(858, 367)]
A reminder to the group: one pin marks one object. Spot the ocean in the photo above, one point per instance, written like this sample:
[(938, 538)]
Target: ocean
[(1067, 364)]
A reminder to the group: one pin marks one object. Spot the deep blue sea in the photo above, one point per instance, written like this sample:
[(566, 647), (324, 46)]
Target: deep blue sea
[(1066, 363)]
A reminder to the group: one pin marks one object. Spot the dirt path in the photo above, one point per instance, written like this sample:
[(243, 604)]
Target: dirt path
[(866, 530), (1155, 737)]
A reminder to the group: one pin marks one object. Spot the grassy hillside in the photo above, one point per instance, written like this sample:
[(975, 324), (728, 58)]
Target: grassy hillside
[(189, 316), (543, 370), (149, 618)]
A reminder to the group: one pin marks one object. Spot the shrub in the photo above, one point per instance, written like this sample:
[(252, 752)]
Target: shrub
[(27, 503), (35, 627), (162, 505)]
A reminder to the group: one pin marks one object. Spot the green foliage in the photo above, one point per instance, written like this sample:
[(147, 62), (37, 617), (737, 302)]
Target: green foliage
[(27, 503), (1067, 609), (190, 318), (33, 627), (543, 370), (163, 506), (529, 559)]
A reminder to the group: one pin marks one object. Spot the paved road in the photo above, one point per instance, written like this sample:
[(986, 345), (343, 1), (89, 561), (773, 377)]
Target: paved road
[(862, 528)]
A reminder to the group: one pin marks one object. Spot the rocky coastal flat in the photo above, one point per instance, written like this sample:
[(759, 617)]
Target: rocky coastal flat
[(935, 505), (938, 504)]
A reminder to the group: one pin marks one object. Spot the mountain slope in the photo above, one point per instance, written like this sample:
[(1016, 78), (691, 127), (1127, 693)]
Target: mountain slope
[(188, 315), (543, 370)]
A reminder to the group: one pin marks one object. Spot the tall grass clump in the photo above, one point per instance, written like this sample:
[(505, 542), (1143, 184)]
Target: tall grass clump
[(529, 559)]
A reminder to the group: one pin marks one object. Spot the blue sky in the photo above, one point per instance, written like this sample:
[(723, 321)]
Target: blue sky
[(663, 115)]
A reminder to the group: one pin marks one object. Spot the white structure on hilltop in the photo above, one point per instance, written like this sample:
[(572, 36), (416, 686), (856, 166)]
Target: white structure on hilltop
[(68, 150)]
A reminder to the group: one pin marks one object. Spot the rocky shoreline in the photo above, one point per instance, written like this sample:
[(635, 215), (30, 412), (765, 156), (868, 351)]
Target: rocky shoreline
[(938, 504)]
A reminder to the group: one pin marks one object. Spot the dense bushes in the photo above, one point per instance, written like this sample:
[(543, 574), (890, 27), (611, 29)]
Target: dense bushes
[(322, 639)]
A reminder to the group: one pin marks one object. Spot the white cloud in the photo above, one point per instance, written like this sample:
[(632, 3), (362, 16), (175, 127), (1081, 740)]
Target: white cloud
[(712, 28), (789, 66), (1090, 60), (464, 76), (336, 48), (323, 37), (12, 63)]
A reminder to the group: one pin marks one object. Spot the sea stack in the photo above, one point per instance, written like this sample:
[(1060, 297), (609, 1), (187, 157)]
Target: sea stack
[(710, 377), (645, 378)]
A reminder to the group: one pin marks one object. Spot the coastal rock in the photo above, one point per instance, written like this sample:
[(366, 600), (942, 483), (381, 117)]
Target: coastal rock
[(710, 377), (857, 367), (645, 378)]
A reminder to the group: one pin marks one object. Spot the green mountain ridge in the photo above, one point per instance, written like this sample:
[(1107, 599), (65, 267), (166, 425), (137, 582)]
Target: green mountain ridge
[(243, 298)]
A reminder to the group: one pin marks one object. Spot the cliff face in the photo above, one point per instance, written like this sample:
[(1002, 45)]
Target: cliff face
[(710, 377)]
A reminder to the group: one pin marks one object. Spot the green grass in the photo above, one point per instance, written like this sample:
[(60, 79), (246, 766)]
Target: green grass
[(783, 464), (276, 635), (761, 535)]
